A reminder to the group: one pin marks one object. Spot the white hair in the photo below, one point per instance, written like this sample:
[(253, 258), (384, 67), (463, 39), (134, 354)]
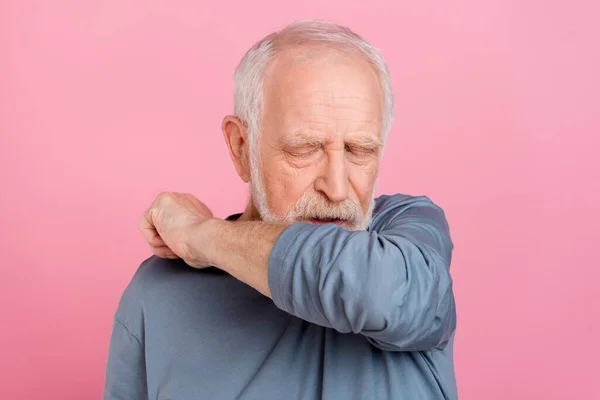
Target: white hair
[(249, 74), (249, 83)]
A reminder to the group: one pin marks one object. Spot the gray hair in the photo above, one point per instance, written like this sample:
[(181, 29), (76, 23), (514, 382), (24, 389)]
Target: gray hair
[(249, 74)]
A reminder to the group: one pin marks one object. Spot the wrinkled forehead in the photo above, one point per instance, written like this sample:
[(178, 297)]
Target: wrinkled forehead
[(329, 93)]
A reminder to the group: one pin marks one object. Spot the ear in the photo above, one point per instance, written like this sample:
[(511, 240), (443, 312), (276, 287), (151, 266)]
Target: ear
[(236, 137)]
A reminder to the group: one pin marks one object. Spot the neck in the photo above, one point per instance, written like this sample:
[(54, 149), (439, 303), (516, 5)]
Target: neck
[(250, 214)]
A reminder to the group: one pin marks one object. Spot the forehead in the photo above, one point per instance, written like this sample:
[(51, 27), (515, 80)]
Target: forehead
[(331, 94)]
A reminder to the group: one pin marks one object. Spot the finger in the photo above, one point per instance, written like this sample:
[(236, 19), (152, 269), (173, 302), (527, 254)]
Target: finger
[(149, 231), (164, 252)]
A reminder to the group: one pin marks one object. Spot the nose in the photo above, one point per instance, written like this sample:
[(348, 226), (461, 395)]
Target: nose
[(333, 182)]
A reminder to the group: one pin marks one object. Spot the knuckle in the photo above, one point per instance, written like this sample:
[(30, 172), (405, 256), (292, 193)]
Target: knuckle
[(166, 197)]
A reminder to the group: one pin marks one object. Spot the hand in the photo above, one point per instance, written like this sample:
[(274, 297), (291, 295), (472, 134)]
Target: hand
[(170, 224)]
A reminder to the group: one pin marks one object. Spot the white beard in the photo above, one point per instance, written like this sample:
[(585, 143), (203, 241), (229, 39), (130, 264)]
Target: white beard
[(259, 199)]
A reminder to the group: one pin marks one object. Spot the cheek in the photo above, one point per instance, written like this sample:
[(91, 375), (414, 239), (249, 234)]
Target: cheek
[(284, 186), (362, 180)]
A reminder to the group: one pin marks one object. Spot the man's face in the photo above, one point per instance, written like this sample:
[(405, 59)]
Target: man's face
[(321, 141)]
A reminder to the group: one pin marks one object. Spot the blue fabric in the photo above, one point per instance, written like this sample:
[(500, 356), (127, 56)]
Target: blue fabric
[(354, 315)]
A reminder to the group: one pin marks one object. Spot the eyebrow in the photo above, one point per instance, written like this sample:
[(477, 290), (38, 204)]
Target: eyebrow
[(303, 140)]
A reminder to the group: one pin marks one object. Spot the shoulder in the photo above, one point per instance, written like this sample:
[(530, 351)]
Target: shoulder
[(151, 283), (154, 270), (157, 275), (130, 311), (156, 281), (151, 273)]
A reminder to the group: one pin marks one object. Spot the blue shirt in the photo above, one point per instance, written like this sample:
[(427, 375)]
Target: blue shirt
[(354, 315)]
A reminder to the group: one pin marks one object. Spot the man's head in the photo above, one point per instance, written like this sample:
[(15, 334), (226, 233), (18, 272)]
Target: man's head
[(313, 104)]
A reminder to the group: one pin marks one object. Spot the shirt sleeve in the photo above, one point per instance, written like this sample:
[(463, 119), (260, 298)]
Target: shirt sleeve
[(126, 365), (125, 368), (391, 284)]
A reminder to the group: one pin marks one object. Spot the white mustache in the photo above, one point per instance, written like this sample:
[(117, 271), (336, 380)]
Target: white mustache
[(315, 206)]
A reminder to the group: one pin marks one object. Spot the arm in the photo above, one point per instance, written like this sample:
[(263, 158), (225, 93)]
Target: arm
[(126, 368), (391, 284), (126, 365)]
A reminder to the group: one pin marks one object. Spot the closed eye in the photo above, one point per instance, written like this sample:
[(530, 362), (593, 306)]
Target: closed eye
[(302, 152), (360, 151)]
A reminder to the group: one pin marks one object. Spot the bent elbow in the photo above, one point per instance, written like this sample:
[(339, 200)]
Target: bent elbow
[(420, 331)]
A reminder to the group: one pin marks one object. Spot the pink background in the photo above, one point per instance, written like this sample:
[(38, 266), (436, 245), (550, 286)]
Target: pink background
[(105, 104)]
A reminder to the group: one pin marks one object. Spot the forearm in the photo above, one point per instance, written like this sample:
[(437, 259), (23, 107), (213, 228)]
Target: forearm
[(241, 248)]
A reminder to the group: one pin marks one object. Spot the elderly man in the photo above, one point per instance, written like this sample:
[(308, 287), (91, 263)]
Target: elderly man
[(317, 290)]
